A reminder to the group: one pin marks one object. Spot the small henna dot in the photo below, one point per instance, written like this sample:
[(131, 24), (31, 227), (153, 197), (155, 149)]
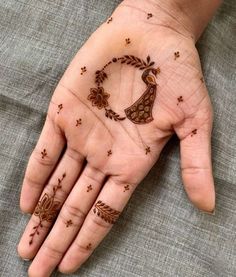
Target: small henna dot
[(109, 153), (44, 153), (126, 188), (194, 132), (158, 70), (149, 15), (83, 70), (109, 20), (177, 55), (127, 41), (60, 107), (148, 150), (89, 188), (180, 99), (69, 223), (114, 60), (78, 122), (89, 246)]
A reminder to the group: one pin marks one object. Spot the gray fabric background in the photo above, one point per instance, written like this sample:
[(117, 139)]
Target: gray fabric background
[(160, 233)]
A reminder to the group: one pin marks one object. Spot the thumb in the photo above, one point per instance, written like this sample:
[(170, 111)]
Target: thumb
[(195, 152)]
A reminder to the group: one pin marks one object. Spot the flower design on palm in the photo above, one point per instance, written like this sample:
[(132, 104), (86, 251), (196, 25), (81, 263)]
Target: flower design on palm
[(98, 97)]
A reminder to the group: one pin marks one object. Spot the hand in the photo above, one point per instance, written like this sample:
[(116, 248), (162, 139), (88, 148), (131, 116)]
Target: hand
[(134, 83)]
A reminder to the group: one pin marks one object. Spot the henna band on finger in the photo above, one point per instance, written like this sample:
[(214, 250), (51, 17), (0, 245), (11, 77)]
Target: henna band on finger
[(105, 212)]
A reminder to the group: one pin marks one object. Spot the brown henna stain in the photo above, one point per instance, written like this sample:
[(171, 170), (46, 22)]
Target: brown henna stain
[(176, 55), (44, 153), (127, 41), (126, 187), (109, 153), (83, 70), (194, 132), (180, 99), (60, 107), (46, 209), (147, 150), (69, 223), (109, 20), (78, 122), (89, 188), (89, 246), (105, 212), (149, 15)]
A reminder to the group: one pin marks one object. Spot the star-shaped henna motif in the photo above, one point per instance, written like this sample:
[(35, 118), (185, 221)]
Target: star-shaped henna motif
[(83, 70), (78, 122), (109, 20), (194, 132), (126, 187), (180, 99), (89, 246), (44, 153), (60, 107), (177, 55), (89, 188), (148, 150), (127, 41), (69, 223)]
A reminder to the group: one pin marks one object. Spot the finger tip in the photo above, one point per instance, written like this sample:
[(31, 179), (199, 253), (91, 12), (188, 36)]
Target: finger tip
[(23, 253)]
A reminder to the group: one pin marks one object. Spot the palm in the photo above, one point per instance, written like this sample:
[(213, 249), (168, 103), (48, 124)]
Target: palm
[(115, 109)]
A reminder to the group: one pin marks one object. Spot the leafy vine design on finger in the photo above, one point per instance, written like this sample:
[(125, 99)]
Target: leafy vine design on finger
[(139, 112), (46, 209), (105, 212)]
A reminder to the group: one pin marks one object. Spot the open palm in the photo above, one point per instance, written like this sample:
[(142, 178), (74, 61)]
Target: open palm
[(128, 90)]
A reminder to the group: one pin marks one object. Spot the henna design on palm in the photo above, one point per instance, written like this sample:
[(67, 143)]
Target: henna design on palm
[(105, 212), (46, 209), (141, 111)]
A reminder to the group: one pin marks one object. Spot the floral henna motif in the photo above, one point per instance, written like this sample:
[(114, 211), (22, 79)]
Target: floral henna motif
[(141, 111), (126, 187), (105, 212), (180, 99), (149, 15), (109, 153), (127, 41), (46, 209), (148, 150)]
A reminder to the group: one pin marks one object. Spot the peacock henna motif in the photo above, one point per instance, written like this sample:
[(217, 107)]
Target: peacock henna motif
[(105, 212), (46, 209), (141, 111)]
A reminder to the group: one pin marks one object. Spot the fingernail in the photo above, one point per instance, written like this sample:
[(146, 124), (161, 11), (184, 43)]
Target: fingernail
[(27, 260), (211, 213)]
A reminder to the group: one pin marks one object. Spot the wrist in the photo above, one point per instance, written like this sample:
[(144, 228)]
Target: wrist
[(184, 16)]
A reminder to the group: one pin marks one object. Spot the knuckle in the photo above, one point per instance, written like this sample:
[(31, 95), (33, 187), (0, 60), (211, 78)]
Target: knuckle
[(82, 248), (73, 212), (51, 251), (74, 154), (99, 223)]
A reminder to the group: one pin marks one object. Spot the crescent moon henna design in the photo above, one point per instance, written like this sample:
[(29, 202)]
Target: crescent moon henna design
[(46, 209), (105, 212), (141, 111)]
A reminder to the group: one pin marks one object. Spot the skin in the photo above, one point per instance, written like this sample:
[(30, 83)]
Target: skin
[(82, 151)]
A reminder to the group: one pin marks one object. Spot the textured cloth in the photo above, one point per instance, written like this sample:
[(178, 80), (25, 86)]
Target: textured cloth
[(160, 233)]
